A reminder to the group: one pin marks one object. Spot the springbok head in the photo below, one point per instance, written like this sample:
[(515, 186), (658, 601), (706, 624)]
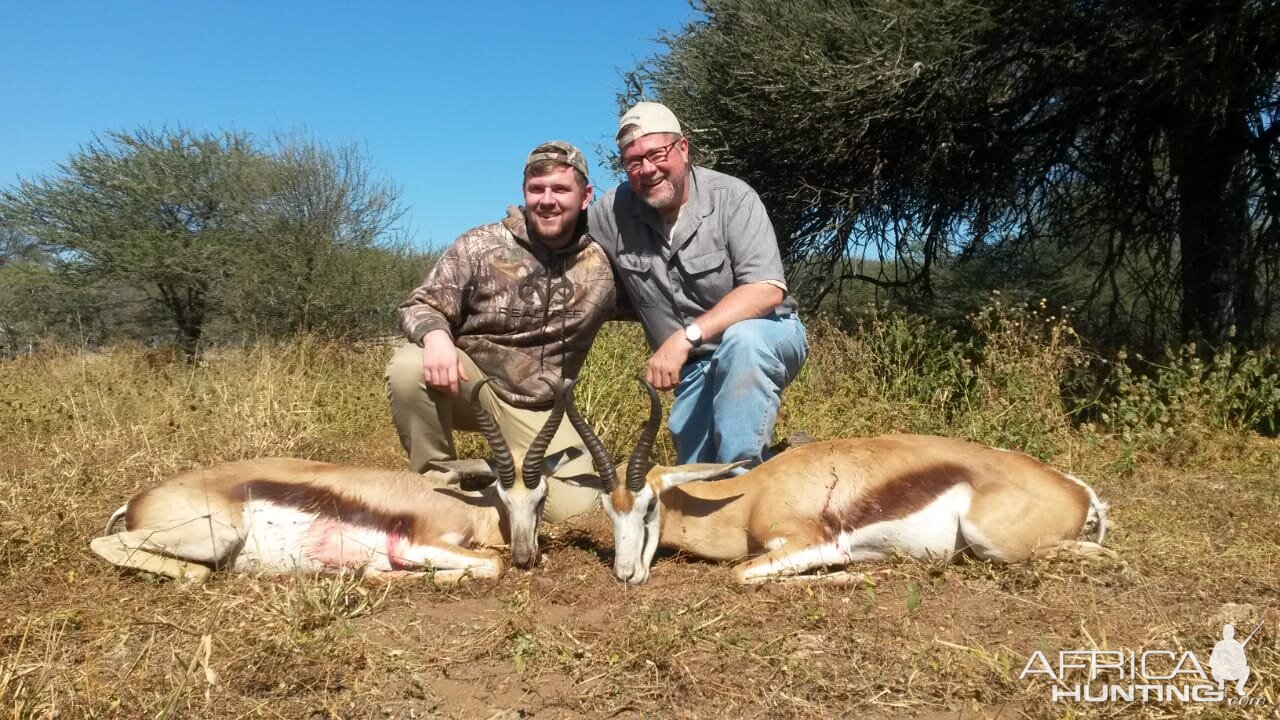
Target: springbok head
[(634, 507), (522, 490)]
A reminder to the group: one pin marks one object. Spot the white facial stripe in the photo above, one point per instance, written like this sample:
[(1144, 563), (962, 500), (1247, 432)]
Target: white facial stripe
[(524, 514), (634, 542)]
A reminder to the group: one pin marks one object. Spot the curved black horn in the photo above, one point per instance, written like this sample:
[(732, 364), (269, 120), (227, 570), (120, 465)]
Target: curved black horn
[(506, 465), (531, 471), (639, 464), (600, 457)]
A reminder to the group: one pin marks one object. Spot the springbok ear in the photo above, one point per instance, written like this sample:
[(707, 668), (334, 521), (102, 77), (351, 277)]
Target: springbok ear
[(681, 474), (555, 460), (470, 475)]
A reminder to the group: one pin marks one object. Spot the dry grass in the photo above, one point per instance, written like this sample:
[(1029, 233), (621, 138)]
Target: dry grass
[(1197, 529)]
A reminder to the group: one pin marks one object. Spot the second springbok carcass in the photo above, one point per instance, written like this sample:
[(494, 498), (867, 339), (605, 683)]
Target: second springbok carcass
[(285, 515), (826, 505)]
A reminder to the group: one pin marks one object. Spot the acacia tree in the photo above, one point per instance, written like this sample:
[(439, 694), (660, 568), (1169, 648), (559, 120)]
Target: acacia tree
[(161, 212), (219, 232), (335, 264), (1139, 137)]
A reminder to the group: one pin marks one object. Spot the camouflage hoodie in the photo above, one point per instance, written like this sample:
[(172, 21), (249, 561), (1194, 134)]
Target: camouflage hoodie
[(519, 309)]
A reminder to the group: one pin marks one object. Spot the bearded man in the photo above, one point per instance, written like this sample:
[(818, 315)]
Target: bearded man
[(698, 259)]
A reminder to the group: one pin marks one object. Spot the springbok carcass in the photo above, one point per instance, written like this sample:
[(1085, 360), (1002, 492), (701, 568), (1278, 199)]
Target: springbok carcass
[(285, 515), (825, 505)]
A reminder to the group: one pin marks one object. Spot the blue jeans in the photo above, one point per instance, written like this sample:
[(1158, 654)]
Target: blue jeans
[(727, 402)]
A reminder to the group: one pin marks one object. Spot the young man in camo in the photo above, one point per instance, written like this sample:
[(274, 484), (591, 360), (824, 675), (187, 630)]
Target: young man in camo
[(519, 300)]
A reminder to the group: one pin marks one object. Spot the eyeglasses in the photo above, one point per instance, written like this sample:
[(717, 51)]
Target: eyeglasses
[(654, 156)]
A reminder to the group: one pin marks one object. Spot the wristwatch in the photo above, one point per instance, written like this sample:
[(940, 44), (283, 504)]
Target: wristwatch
[(693, 334)]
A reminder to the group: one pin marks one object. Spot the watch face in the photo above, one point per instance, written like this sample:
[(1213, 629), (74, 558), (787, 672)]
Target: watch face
[(693, 334)]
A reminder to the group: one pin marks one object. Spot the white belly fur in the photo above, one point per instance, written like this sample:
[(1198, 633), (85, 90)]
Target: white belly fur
[(282, 539), (928, 533)]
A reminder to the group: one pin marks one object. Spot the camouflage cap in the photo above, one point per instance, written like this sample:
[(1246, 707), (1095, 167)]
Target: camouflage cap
[(561, 152), (646, 118)]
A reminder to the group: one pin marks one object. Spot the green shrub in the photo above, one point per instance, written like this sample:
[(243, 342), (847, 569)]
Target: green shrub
[(1150, 404), (999, 383), (1024, 357)]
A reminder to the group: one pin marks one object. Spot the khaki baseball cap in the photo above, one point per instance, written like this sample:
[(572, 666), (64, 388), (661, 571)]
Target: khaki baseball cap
[(646, 118), (561, 152)]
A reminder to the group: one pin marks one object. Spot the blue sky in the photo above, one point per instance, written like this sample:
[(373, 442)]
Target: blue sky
[(446, 98)]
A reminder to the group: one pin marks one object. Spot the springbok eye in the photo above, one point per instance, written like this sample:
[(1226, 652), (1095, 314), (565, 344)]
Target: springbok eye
[(652, 507)]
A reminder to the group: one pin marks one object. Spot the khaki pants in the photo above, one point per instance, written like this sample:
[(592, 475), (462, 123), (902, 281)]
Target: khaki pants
[(425, 418)]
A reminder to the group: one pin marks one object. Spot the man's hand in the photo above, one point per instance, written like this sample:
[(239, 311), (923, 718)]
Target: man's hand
[(441, 367), (663, 371), (745, 301)]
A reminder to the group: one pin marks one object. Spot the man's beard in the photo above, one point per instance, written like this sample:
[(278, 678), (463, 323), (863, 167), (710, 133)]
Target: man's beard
[(666, 197), (531, 225)]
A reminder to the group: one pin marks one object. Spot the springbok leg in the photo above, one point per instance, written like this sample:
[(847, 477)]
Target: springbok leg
[(125, 552)]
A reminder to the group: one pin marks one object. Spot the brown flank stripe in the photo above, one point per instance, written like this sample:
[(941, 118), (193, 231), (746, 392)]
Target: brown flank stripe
[(897, 498), (325, 502)]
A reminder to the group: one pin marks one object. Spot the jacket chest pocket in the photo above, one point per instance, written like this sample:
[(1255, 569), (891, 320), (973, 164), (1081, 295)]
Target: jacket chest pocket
[(636, 272), (707, 275)]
